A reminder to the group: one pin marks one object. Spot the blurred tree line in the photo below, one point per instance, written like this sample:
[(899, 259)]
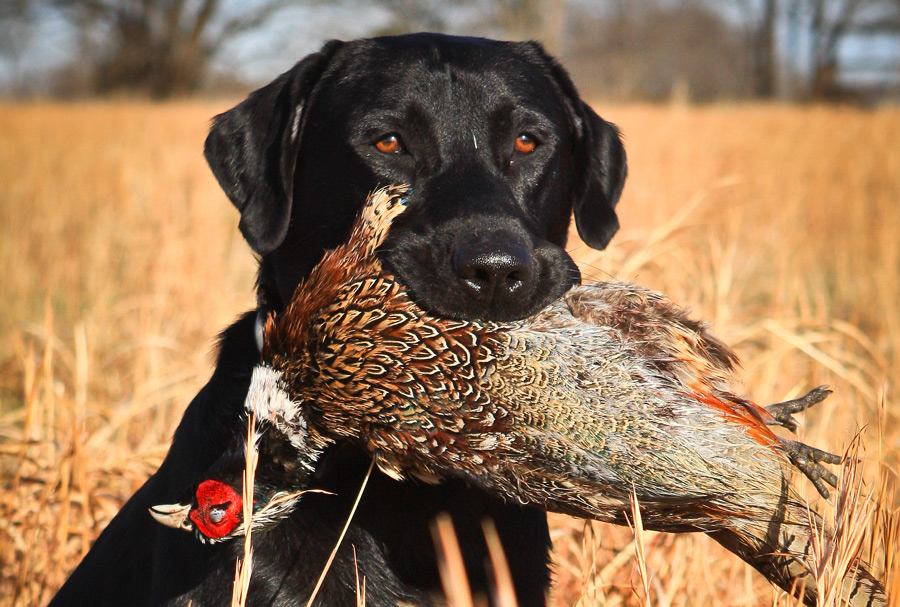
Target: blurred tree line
[(625, 49)]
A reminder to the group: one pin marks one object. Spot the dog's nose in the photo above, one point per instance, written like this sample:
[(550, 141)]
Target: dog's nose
[(494, 271)]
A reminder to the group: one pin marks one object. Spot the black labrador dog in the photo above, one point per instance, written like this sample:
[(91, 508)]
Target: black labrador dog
[(500, 151)]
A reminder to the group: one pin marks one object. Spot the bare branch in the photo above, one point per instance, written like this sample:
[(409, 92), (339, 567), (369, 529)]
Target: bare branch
[(246, 23)]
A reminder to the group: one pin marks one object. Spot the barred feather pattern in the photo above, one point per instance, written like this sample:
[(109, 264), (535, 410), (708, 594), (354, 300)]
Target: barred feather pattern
[(610, 389)]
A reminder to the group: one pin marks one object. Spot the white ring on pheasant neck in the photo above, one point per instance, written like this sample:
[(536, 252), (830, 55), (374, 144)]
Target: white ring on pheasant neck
[(269, 399)]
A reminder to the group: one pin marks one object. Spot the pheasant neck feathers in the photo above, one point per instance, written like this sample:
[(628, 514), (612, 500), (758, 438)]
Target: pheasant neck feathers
[(328, 277)]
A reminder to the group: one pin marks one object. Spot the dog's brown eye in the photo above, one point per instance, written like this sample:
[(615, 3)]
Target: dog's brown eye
[(389, 145), (525, 144)]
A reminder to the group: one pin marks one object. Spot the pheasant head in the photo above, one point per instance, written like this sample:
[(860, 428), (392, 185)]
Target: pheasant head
[(214, 513), (213, 508)]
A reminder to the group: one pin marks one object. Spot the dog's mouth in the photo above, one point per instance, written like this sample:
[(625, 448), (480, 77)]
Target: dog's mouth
[(499, 284)]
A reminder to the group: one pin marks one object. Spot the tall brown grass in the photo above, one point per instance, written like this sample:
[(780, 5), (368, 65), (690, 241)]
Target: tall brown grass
[(120, 260)]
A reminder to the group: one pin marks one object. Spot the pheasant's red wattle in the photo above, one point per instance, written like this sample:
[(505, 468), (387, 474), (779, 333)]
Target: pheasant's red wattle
[(212, 494)]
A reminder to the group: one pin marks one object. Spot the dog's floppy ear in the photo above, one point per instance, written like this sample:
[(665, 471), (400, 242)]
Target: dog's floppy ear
[(600, 162), (604, 169), (252, 150)]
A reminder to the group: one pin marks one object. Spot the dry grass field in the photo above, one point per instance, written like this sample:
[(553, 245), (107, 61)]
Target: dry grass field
[(120, 260)]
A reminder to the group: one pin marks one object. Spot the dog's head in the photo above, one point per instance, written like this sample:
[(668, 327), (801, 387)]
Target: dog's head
[(492, 136)]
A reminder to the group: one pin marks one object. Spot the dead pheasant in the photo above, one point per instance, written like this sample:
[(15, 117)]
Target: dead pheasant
[(612, 389)]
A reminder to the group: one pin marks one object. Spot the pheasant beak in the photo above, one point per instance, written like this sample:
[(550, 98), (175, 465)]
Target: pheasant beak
[(173, 515)]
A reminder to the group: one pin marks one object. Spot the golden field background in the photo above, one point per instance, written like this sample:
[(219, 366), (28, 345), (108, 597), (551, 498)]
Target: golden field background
[(120, 261)]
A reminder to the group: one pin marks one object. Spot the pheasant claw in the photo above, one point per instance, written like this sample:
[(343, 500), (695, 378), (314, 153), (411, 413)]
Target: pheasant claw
[(809, 460), (783, 412)]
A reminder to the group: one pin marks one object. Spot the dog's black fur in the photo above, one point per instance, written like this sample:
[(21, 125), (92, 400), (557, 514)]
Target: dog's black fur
[(483, 237)]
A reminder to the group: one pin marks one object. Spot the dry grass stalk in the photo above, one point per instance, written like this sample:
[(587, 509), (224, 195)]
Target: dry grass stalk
[(637, 528), (884, 536), (360, 585), (340, 539), (450, 563), (835, 554), (503, 588), (244, 566)]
